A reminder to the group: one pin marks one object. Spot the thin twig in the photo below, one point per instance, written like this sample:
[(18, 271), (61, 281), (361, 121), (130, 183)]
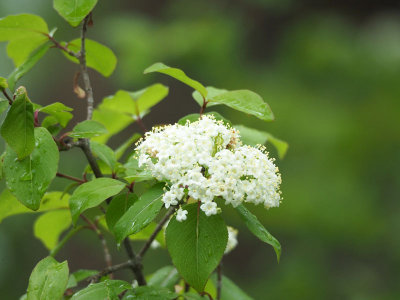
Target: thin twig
[(107, 255), (84, 144), (203, 107), (69, 177), (63, 48), (84, 70), (8, 97), (136, 265), (219, 280), (160, 225), (110, 270)]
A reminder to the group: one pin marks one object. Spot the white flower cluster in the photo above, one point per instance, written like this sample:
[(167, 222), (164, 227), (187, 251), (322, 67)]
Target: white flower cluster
[(232, 239), (204, 160)]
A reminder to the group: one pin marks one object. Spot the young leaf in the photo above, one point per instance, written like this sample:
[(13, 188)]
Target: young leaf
[(252, 137), (211, 92), (230, 291), (49, 226), (258, 229), (148, 97), (74, 11), (118, 206), (88, 129), (9, 205), (107, 289), (140, 214), (17, 128), (48, 280), (179, 75), (196, 245), (166, 277), (245, 101), (28, 64), (3, 83), (98, 56), (113, 121), (150, 293), (92, 193), (105, 154), (59, 111), (25, 33), (29, 178)]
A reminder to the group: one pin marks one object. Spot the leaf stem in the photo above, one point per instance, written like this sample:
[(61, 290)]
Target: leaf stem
[(158, 228), (70, 177), (61, 244), (203, 107), (8, 97), (63, 48)]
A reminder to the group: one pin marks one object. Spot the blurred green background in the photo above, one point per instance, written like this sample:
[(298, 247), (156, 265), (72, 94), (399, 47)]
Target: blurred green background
[(329, 70)]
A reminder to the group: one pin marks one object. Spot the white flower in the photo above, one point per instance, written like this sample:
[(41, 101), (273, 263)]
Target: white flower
[(155, 244), (181, 215), (207, 160), (232, 239)]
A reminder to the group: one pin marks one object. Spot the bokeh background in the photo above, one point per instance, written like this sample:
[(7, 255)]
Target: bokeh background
[(330, 70)]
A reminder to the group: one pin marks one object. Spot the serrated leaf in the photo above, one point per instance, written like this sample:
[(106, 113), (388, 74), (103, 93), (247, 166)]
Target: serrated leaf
[(166, 277), (92, 193), (74, 11), (118, 206), (9, 205), (258, 229), (28, 64), (211, 92), (29, 178), (48, 280), (98, 57), (49, 226), (105, 154), (107, 289), (245, 101), (177, 74), (17, 128), (252, 137), (140, 214), (59, 111), (196, 245), (150, 293), (88, 129), (25, 33)]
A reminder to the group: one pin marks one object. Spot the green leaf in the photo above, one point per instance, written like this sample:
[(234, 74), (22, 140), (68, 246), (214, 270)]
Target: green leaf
[(88, 129), (59, 111), (150, 293), (252, 137), (17, 128), (3, 105), (148, 97), (140, 214), (29, 178), (245, 101), (92, 193), (48, 280), (193, 296), (3, 83), (196, 245), (113, 121), (9, 205), (135, 173), (125, 146), (230, 291), (179, 75), (105, 154), (146, 232), (25, 33), (107, 289), (28, 64), (49, 226), (195, 117), (98, 56), (83, 274), (258, 229), (74, 11), (166, 277), (211, 92), (118, 206)]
